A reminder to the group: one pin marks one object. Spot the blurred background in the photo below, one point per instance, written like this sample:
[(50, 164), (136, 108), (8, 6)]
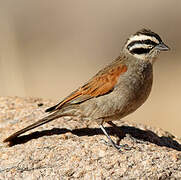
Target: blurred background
[(49, 48)]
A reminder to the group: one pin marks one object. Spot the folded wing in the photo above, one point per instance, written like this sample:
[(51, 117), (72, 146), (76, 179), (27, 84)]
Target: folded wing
[(100, 84)]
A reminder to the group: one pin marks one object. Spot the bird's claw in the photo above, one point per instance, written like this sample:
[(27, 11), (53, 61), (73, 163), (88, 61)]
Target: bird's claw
[(118, 147)]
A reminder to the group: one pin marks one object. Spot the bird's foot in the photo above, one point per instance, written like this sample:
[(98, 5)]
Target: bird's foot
[(114, 145)]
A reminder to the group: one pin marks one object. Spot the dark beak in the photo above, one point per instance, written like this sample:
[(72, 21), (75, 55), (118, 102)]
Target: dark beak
[(162, 47)]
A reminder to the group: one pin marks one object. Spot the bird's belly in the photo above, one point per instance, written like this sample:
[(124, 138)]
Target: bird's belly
[(123, 100), (137, 96), (116, 104)]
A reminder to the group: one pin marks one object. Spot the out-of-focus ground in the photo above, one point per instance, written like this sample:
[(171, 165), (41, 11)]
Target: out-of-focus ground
[(48, 48)]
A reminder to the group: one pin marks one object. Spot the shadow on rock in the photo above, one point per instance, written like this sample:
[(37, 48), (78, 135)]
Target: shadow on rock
[(144, 135)]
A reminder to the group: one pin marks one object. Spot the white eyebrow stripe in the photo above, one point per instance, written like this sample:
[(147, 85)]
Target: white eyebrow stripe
[(142, 37), (135, 46)]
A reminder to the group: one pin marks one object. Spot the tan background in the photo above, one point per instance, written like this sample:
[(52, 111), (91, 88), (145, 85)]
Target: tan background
[(48, 48)]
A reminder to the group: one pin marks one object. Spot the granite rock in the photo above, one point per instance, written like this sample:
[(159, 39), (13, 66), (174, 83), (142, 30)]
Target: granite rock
[(68, 149)]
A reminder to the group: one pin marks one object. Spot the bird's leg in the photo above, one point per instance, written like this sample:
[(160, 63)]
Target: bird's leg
[(109, 138), (119, 133)]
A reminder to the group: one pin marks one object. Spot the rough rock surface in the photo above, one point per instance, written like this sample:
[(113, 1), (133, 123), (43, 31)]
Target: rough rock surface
[(65, 149)]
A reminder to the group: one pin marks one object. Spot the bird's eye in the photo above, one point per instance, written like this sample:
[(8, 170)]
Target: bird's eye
[(140, 50), (149, 42)]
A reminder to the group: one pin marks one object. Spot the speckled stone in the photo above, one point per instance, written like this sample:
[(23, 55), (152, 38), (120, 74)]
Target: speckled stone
[(65, 149)]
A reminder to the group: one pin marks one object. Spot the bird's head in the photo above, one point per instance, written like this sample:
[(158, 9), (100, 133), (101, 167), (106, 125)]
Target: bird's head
[(145, 45)]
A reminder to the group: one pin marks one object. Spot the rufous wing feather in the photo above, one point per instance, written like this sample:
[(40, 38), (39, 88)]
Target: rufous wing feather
[(100, 84)]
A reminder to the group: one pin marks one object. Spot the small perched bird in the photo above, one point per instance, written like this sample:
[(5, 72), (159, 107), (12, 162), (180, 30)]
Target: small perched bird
[(115, 91)]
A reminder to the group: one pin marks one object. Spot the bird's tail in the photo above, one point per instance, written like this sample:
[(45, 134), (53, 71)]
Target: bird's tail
[(34, 125)]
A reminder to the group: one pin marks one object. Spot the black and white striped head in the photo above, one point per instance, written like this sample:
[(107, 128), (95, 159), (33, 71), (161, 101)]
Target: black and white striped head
[(145, 44)]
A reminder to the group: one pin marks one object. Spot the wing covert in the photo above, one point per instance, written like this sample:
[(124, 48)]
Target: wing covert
[(102, 83)]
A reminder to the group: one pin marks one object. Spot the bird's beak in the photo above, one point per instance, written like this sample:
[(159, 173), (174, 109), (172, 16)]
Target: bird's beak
[(162, 47)]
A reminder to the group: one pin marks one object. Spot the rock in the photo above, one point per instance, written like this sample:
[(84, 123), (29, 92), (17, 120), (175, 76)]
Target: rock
[(54, 151)]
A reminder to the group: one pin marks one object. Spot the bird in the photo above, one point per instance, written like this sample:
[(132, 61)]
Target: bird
[(115, 91)]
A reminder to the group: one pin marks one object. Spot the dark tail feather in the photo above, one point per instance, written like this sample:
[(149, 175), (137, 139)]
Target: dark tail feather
[(34, 125), (52, 108)]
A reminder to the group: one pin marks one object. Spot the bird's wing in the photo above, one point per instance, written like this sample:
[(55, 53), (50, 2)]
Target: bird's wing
[(102, 83)]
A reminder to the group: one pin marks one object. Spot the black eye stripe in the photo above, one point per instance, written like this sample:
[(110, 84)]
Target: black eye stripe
[(140, 50), (147, 42)]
